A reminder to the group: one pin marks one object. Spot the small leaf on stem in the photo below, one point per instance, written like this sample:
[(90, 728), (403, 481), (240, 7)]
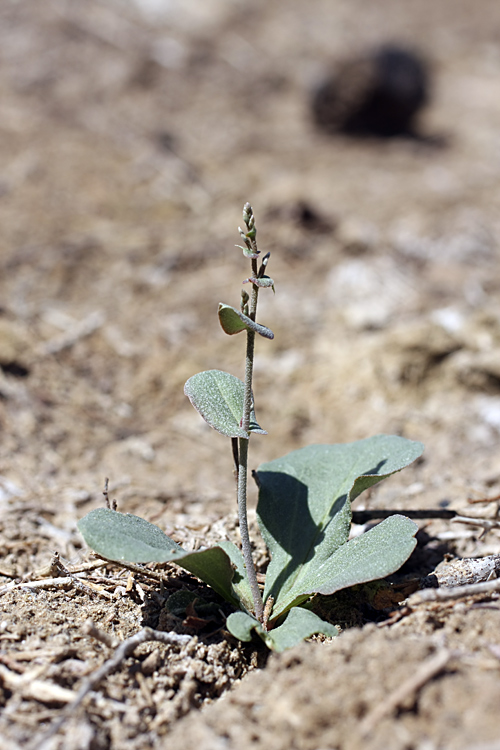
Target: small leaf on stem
[(248, 253), (218, 397), (233, 321), (263, 282)]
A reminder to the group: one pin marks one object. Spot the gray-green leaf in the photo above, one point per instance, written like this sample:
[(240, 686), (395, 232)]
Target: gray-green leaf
[(247, 252), (261, 281), (299, 624), (218, 397), (128, 538), (373, 555), (304, 513), (234, 321), (240, 583)]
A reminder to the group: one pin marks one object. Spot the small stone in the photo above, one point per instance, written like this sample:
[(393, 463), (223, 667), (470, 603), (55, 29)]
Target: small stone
[(375, 93)]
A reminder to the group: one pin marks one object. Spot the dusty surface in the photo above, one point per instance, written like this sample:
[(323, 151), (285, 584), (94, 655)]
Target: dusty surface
[(131, 135)]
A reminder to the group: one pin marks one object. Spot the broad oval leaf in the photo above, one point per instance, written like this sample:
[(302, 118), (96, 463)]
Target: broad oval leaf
[(218, 397), (234, 321), (304, 508), (119, 536), (123, 537)]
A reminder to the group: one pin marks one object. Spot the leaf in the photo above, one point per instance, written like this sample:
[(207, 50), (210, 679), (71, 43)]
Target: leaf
[(248, 253), (261, 281), (299, 624), (218, 397), (240, 579), (304, 509), (128, 538), (233, 321), (119, 536), (241, 624), (373, 555)]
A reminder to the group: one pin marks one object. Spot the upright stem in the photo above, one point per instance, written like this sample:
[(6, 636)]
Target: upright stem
[(245, 539), (243, 459), (247, 402)]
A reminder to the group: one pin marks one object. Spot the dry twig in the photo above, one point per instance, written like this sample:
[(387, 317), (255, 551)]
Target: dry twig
[(475, 500), (80, 330), (455, 592), (84, 567), (124, 650), (146, 572), (363, 516), (58, 583), (56, 575), (32, 688), (429, 669), (484, 523)]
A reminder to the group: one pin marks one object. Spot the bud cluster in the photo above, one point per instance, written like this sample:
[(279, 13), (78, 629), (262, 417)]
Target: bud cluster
[(249, 236)]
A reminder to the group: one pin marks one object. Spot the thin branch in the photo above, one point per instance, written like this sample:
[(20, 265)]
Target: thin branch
[(61, 582), (124, 650), (363, 516), (135, 568), (426, 672), (80, 330), (474, 500), (484, 523), (32, 688), (455, 592)]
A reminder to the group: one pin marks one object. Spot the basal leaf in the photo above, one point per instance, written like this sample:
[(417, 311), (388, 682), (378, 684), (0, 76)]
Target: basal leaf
[(304, 508), (214, 567), (218, 397), (241, 625), (298, 625), (240, 582), (234, 321), (119, 536), (128, 538), (373, 555)]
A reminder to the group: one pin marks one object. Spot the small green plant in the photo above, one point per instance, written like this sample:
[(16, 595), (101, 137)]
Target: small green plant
[(304, 506)]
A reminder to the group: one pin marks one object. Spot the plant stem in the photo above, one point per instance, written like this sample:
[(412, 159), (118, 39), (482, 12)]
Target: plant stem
[(243, 458), (247, 402), (245, 538)]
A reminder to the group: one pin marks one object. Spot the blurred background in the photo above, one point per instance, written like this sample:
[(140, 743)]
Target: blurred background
[(367, 138)]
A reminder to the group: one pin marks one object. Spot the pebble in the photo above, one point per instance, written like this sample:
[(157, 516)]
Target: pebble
[(373, 93)]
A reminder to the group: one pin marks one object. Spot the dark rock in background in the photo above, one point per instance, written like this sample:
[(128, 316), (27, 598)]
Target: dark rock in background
[(376, 93)]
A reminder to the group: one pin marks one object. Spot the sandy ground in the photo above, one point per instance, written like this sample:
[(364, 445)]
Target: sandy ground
[(131, 134)]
